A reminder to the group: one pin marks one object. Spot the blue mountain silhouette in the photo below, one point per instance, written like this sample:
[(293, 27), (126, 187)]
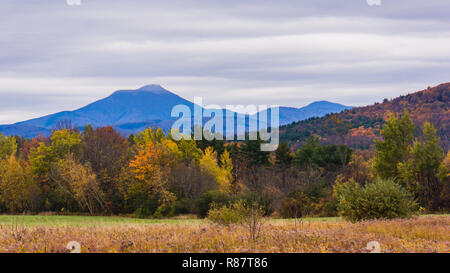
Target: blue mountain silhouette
[(131, 111)]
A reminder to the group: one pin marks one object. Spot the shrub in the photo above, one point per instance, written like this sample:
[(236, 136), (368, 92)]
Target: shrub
[(312, 199), (142, 212), (144, 207), (297, 204), (226, 215), (263, 201), (151, 208), (206, 199), (248, 214), (292, 207), (182, 206), (329, 207), (164, 210), (383, 199), (253, 218)]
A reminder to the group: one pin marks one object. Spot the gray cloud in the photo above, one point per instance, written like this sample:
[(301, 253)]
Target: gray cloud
[(290, 52)]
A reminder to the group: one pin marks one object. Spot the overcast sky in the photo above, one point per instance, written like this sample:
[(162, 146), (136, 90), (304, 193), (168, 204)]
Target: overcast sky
[(54, 56)]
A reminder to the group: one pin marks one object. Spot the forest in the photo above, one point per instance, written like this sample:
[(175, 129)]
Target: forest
[(359, 127), (100, 172)]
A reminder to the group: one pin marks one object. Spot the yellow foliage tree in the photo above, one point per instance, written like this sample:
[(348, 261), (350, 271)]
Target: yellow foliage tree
[(15, 183), (222, 174), (151, 168), (149, 135), (227, 170), (8, 146), (82, 184)]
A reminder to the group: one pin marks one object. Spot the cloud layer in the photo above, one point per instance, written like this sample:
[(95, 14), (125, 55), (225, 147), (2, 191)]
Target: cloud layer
[(290, 52)]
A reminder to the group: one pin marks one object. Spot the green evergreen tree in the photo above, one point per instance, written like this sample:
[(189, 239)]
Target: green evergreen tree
[(395, 146), (252, 150), (330, 157), (283, 154), (420, 174)]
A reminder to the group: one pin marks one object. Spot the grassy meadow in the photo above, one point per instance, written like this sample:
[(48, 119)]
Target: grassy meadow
[(89, 221), (120, 234), (84, 221)]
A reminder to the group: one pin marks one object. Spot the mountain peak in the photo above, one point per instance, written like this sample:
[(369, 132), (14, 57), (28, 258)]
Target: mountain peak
[(155, 88), (147, 89), (322, 102)]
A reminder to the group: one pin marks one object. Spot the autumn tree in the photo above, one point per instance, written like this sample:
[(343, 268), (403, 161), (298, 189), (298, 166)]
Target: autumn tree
[(420, 172), (210, 166), (32, 144), (65, 142), (81, 183), (283, 159), (394, 148), (226, 165), (106, 151), (149, 135), (150, 170), (15, 184), (444, 177), (44, 159), (189, 151), (8, 146), (359, 169), (283, 154), (62, 143)]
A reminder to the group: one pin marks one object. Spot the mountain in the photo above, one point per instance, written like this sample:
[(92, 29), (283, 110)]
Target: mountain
[(359, 126), (131, 111), (128, 110), (151, 102), (316, 109)]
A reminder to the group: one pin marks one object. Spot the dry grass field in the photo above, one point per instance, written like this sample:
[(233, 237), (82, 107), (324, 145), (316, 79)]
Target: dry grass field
[(420, 234)]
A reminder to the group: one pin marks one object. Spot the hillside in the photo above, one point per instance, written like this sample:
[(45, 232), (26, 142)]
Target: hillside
[(359, 126)]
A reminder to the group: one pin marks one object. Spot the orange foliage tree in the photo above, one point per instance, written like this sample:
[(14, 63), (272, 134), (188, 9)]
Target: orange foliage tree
[(151, 168)]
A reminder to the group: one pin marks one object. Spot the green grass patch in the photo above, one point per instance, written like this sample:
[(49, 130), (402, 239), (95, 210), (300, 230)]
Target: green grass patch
[(84, 221), (89, 221)]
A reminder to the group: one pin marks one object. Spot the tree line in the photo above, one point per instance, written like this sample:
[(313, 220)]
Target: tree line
[(98, 171)]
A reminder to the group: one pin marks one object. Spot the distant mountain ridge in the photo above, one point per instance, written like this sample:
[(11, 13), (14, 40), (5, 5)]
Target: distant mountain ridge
[(316, 109), (359, 126), (131, 111)]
